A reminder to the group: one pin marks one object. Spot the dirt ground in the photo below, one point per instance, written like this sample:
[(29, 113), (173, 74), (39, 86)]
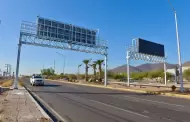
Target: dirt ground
[(3, 101)]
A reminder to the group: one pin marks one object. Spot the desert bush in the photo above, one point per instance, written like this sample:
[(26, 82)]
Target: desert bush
[(186, 74), (173, 87), (81, 76), (155, 74), (139, 75), (72, 76)]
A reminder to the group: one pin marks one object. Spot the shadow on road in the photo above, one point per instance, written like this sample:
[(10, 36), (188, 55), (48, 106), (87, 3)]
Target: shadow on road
[(93, 93), (51, 85)]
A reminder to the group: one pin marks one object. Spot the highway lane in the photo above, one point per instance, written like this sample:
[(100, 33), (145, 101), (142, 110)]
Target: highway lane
[(89, 104)]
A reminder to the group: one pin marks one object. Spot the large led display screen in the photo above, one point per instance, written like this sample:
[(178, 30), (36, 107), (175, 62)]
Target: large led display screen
[(58, 31), (150, 48)]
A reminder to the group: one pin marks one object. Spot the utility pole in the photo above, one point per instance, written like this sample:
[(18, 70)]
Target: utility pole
[(178, 48), (8, 69)]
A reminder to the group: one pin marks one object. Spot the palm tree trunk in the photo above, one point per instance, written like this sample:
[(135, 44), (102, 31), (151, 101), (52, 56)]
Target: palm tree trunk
[(95, 74), (86, 73), (100, 73)]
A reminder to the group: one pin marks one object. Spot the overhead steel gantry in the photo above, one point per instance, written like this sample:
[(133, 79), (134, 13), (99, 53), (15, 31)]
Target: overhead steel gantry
[(132, 53), (28, 35)]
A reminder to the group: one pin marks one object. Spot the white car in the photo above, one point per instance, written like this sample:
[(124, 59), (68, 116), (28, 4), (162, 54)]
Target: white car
[(36, 80)]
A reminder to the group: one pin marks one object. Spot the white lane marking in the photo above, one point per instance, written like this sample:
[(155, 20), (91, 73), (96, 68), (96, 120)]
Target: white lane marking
[(135, 98), (120, 109)]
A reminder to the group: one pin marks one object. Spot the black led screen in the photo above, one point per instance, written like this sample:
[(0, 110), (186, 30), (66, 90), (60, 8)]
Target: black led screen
[(58, 31), (150, 48)]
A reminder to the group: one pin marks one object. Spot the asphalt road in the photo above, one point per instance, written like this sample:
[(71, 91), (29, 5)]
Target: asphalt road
[(88, 104)]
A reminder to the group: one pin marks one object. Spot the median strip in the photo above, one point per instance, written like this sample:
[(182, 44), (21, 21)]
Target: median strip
[(130, 89)]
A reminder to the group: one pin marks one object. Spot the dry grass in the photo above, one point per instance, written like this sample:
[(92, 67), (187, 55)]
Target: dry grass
[(21, 83), (1, 111), (43, 119), (7, 83)]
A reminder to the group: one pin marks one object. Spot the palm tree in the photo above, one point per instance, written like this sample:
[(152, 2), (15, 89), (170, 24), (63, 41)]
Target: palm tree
[(99, 63), (94, 69), (86, 62)]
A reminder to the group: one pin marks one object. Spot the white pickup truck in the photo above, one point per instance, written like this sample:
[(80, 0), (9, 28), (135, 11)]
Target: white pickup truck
[(36, 80)]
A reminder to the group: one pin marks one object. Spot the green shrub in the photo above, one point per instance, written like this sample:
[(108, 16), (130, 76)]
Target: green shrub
[(155, 74), (81, 76), (120, 76), (138, 75), (72, 76), (186, 74)]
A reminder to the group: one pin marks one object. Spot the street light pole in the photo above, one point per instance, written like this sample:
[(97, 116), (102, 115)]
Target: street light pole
[(178, 48), (78, 71), (64, 57)]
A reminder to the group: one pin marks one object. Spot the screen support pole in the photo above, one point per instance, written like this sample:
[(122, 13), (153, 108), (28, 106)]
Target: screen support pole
[(128, 72), (165, 76), (105, 72), (17, 65)]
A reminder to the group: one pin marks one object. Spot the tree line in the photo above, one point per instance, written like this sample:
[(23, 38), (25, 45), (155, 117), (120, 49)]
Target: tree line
[(99, 74)]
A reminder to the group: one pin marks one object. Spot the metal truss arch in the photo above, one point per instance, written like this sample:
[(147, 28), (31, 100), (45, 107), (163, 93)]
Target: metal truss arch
[(132, 53), (29, 36)]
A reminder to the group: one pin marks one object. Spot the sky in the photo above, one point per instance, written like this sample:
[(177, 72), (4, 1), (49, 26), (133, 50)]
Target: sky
[(119, 21)]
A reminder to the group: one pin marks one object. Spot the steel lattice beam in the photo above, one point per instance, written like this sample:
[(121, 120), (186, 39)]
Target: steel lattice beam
[(133, 54), (34, 40), (28, 35), (145, 57)]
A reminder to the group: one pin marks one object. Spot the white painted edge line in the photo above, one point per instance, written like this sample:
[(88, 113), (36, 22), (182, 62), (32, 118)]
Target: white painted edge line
[(154, 101), (120, 109), (51, 109), (39, 107)]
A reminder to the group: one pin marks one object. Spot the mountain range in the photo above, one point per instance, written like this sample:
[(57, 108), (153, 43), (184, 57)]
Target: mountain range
[(145, 67)]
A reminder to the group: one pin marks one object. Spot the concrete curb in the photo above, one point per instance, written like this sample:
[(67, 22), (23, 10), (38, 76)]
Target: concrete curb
[(38, 106), (3, 89), (131, 90)]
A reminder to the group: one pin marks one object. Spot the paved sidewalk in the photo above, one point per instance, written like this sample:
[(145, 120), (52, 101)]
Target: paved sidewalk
[(18, 106)]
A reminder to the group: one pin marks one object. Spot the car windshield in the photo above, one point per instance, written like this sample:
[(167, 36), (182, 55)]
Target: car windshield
[(37, 77)]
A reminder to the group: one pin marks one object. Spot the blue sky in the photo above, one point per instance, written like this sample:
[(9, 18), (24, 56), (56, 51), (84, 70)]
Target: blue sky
[(119, 21)]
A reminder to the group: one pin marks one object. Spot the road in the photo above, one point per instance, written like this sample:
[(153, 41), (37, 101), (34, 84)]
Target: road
[(77, 103)]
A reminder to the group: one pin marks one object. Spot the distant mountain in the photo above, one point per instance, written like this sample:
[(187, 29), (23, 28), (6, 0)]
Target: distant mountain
[(155, 66), (147, 67), (186, 63), (123, 68), (142, 68)]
